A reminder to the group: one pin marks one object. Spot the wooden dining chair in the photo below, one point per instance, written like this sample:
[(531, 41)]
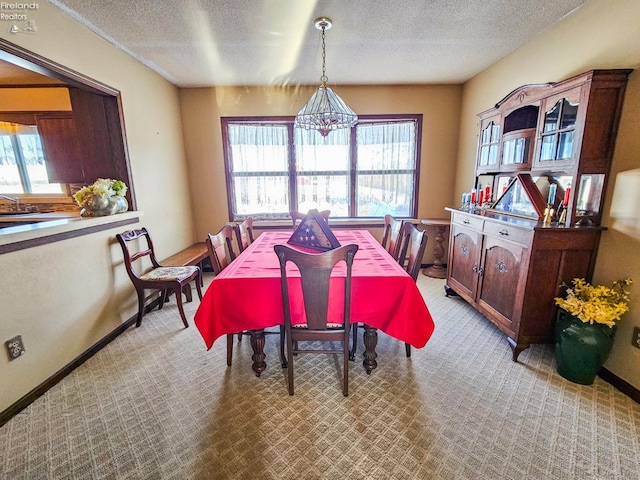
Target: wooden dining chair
[(392, 242), (221, 254), (297, 217), (391, 235), (220, 248), (414, 242), (137, 248), (315, 273), (244, 234)]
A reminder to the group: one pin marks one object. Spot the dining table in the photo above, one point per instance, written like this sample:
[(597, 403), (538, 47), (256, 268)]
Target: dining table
[(246, 296)]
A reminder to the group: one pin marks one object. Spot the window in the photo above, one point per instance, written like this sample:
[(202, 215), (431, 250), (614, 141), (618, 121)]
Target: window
[(22, 164), (369, 170)]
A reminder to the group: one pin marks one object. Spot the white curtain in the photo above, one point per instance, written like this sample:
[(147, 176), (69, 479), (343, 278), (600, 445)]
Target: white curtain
[(385, 168), (259, 169)]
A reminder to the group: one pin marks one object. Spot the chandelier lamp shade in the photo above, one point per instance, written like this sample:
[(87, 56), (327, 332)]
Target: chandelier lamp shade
[(325, 111)]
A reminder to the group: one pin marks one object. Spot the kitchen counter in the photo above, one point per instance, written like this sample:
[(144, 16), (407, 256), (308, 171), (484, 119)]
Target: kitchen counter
[(42, 228), (32, 217)]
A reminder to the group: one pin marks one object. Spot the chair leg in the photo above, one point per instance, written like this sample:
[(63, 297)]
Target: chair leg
[(186, 289), (407, 347), (179, 302), (140, 306), (290, 363), (345, 360), (164, 297), (352, 352), (229, 348), (283, 361), (199, 285)]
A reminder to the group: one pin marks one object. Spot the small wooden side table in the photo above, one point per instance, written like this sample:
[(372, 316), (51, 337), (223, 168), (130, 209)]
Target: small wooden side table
[(437, 270)]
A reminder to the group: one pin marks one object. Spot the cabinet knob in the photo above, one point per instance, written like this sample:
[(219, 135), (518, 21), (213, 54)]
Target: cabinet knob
[(475, 268), (465, 221), (504, 231), (480, 271)]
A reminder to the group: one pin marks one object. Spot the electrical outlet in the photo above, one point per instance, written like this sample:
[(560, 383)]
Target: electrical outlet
[(636, 337), (15, 347)]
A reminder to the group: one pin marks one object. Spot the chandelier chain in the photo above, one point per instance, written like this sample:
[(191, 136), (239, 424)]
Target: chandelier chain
[(324, 78)]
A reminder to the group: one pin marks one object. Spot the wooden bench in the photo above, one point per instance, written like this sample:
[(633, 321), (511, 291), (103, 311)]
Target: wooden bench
[(196, 254)]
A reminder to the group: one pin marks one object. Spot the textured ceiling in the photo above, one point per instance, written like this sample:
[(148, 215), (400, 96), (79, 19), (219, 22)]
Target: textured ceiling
[(274, 42)]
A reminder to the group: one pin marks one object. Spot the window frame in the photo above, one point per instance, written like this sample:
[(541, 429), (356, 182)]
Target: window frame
[(352, 171), (28, 118)]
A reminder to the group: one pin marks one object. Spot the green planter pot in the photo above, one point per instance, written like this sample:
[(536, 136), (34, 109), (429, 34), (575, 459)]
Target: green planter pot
[(581, 348)]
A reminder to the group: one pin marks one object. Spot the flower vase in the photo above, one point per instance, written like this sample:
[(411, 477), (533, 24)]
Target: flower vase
[(97, 206), (581, 348)]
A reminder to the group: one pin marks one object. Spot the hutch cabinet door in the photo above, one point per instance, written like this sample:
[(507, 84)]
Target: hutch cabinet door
[(501, 272), (489, 144), (464, 260), (559, 129)]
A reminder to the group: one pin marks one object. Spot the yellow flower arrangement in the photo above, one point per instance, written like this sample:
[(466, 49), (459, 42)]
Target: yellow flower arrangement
[(596, 304)]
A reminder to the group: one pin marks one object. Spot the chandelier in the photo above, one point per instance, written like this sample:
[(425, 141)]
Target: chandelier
[(325, 111)]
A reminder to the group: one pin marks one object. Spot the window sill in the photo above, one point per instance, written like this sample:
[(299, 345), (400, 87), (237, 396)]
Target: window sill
[(336, 223)]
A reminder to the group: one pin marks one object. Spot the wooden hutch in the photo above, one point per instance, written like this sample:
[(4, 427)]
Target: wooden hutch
[(542, 147)]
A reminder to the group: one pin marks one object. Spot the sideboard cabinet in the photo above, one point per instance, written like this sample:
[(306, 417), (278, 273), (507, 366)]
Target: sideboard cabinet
[(510, 269), (542, 150)]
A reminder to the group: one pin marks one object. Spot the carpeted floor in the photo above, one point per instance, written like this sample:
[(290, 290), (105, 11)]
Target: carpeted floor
[(155, 404)]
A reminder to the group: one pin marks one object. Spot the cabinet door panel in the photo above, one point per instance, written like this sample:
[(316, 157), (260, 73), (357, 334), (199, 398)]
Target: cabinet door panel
[(98, 135), (464, 260), (488, 143), (61, 147), (557, 126), (500, 276)]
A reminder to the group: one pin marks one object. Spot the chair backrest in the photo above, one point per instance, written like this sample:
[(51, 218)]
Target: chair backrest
[(244, 233), (391, 236), (315, 272), (414, 242), (298, 216), (220, 248), (134, 250)]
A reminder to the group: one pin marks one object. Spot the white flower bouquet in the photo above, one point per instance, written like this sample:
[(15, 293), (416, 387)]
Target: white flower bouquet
[(104, 197)]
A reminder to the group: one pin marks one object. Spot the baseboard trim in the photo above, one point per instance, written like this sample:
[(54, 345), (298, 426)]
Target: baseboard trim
[(620, 384), (41, 389)]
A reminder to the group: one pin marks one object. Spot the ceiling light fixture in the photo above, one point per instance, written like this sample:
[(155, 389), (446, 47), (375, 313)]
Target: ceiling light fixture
[(325, 111)]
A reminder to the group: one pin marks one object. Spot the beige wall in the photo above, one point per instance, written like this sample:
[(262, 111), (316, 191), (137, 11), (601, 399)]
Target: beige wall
[(202, 109), (64, 297), (602, 34)]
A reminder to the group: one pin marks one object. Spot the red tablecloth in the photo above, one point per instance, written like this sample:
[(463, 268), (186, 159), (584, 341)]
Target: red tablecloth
[(246, 295)]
